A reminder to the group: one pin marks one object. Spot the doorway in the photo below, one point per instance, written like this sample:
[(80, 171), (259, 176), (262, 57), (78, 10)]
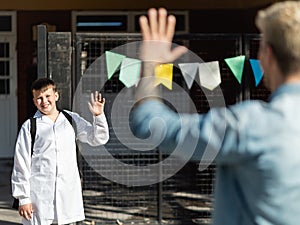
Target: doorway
[(8, 84)]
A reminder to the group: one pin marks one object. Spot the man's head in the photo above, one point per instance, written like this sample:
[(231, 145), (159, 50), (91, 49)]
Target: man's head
[(280, 28), (45, 95)]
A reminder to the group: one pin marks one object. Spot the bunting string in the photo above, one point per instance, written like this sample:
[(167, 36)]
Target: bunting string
[(208, 72)]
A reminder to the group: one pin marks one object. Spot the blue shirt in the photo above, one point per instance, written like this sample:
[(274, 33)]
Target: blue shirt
[(256, 149)]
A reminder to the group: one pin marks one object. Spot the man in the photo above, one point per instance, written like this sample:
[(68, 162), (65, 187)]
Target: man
[(47, 181), (257, 144)]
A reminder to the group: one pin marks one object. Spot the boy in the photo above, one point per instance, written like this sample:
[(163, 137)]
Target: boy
[(47, 181)]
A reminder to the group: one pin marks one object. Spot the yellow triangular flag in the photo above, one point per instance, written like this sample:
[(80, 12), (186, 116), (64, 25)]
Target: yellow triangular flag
[(164, 75)]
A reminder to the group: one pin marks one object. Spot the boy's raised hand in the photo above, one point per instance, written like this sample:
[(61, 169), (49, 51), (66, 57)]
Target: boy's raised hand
[(96, 104)]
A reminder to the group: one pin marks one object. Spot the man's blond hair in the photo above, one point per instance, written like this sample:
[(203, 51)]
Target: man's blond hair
[(280, 26)]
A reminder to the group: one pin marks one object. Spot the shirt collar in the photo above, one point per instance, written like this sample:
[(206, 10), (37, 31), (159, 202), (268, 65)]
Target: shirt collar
[(38, 114), (292, 88)]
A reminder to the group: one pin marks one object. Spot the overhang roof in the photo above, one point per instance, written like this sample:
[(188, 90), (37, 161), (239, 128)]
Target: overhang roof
[(131, 4)]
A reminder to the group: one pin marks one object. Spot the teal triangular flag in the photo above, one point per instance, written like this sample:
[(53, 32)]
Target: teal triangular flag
[(236, 64), (113, 61), (257, 71), (130, 72)]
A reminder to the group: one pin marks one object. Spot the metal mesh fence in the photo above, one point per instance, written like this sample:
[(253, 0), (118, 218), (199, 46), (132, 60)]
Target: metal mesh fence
[(106, 201), (185, 197)]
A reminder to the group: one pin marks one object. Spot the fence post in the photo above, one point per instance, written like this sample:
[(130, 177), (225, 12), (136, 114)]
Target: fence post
[(60, 65), (42, 51), (159, 190)]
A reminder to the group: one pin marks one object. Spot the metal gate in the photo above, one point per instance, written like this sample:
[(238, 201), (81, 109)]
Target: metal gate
[(186, 197)]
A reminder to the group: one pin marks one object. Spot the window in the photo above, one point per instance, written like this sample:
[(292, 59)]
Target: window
[(90, 21), (101, 23), (118, 21), (5, 23), (7, 34)]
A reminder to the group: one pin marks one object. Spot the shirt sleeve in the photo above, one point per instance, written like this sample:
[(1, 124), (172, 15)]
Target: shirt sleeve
[(201, 137), (20, 179), (94, 134)]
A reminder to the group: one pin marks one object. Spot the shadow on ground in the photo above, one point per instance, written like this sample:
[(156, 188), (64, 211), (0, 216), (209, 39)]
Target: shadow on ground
[(8, 216), (8, 223)]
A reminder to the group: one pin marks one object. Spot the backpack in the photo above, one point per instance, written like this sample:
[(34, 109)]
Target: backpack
[(15, 204)]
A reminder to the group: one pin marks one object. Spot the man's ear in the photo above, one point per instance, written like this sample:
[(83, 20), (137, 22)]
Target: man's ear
[(269, 53)]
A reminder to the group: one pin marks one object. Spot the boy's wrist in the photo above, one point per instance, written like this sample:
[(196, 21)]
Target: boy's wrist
[(24, 201)]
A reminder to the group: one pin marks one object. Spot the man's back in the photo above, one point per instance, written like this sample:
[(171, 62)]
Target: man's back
[(263, 186), (257, 158)]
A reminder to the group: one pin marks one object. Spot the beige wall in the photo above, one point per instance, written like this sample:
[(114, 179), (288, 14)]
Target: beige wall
[(129, 4)]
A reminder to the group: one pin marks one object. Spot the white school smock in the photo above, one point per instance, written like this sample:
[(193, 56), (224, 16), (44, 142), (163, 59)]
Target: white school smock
[(49, 179)]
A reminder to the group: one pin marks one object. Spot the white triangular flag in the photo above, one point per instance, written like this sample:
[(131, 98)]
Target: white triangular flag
[(189, 71), (209, 74)]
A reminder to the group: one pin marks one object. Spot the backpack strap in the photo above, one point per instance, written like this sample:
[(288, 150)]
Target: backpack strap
[(70, 119), (68, 116), (32, 132)]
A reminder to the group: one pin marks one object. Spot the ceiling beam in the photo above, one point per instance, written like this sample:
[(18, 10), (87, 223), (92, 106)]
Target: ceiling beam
[(131, 4)]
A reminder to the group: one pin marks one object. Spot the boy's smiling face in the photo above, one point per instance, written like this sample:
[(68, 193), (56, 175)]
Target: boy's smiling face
[(45, 100)]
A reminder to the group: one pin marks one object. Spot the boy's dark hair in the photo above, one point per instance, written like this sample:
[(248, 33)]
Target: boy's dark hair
[(42, 83)]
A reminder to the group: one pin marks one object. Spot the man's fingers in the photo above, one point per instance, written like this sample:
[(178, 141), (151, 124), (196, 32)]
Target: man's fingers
[(170, 28), (152, 14), (162, 15), (158, 32), (145, 28)]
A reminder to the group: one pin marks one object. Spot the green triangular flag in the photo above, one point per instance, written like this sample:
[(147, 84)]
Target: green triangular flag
[(113, 61), (130, 71), (236, 64)]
